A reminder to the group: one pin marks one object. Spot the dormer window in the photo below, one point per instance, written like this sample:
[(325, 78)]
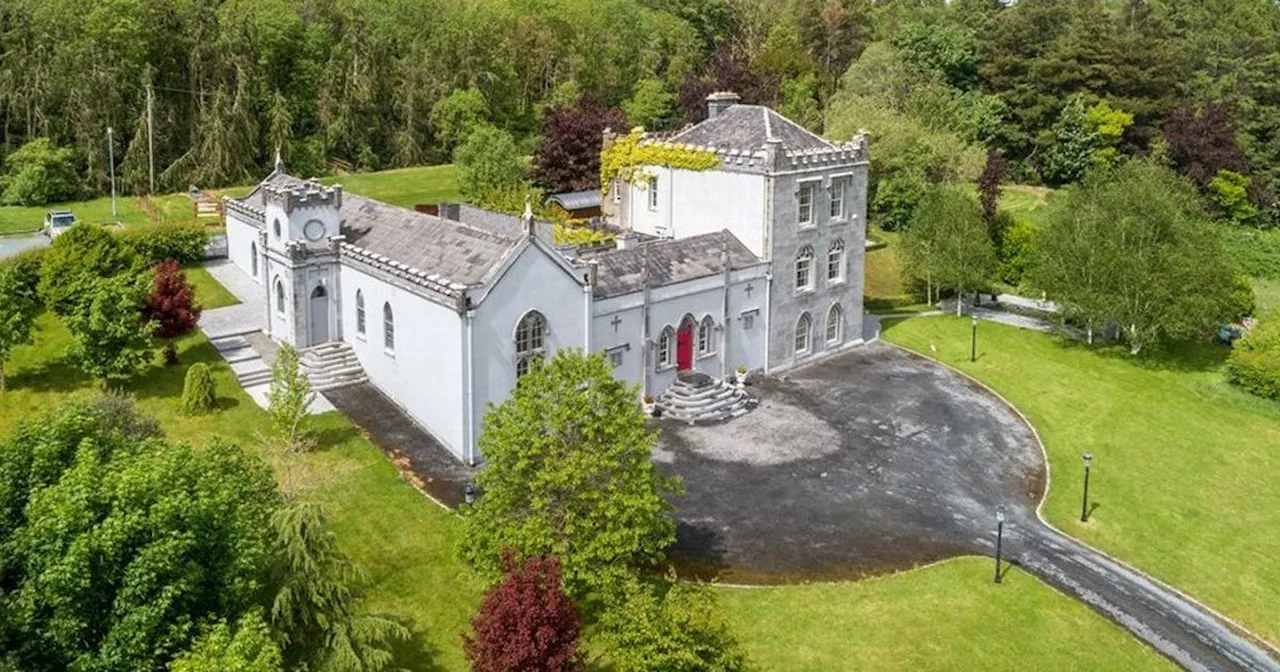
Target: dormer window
[(805, 198)]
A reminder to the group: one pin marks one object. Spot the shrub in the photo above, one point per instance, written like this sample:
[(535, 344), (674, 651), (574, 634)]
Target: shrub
[(1254, 364), (182, 243), (39, 172), (649, 630), (526, 622), (76, 261), (198, 394), (172, 306), (1017, 250)]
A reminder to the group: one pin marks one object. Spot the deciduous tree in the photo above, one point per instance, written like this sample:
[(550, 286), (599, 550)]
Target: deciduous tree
[(172, 306), (248, 647), (38, 173), (488, 162), (110, 336), (948, 244), (526, 622), (567, 474), (676, 625), (19, 305), (290, 397), (568, 154), (76, 260), (1125, 246), (1202, 142)]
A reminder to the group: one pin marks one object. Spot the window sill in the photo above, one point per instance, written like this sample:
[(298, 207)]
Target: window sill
[(806, 290), (665, 367), (361, 337), (706, 355), (389, 353), (835, 282), (802, 226)]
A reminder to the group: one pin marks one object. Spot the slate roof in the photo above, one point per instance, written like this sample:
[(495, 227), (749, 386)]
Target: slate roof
[(749, 127), (578, 200), (669, 261), (461, 252)]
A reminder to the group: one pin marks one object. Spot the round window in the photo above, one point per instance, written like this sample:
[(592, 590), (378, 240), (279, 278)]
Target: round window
[(314, 230)]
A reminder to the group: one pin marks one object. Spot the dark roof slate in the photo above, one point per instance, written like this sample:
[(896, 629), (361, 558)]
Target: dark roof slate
[(750, 127), (669, 261), (462, 252)]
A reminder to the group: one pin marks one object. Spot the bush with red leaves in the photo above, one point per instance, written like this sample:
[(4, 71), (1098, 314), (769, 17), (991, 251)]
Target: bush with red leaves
[(526, 622), (172, 305), (568, 154)]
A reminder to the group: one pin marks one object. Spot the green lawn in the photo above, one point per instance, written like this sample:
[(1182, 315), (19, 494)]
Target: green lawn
[(942, 617), (404, 187), (1027, 202), (209, 292), (945, 617), (1266, 296), (1185, 465)]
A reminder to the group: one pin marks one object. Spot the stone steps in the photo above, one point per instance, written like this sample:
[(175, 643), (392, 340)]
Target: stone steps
[(699, 399), (331, 365)]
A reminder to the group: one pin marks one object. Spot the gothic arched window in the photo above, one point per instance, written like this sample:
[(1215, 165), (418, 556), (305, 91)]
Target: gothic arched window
[(804, 269), (388, 328), (834, 323), (360, 319), (531, 333), (804, 326)]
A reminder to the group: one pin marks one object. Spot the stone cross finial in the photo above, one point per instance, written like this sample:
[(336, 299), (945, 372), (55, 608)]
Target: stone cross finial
[(279, 160), (529, 226)]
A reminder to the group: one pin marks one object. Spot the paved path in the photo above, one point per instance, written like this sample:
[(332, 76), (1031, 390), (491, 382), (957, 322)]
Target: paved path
[(878, 460), (13, 245), (236, 333)]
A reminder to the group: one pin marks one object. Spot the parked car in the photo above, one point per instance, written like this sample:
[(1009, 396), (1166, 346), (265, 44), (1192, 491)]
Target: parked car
[(58, 221)]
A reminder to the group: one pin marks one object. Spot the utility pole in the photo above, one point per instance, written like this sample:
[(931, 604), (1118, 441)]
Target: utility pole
[(111, 164), (151, 143)]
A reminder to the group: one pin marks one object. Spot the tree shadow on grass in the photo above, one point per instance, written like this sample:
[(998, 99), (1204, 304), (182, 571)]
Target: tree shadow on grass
[(1177, 357), (331, 436), (417, 654), (54, 375)]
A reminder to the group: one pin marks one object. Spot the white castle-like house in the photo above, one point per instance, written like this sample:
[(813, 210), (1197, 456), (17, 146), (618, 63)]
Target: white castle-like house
[(756, 262)]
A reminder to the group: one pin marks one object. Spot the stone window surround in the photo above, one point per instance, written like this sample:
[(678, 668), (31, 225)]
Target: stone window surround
[(706, 337), (845, 180), (652, 187), (666, 349), (835, 311), (804, 255), (530, 340), (841, 261), (748, 317), (361, 320), (388, 330), (808, 186), (615, 353), (804, 334)]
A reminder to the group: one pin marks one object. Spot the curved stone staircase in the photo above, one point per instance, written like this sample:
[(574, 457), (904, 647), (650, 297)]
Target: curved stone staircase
[(331, 365), (697, 399)]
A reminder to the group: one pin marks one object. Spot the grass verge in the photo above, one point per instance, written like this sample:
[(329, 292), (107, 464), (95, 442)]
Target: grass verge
[(1184, 468)]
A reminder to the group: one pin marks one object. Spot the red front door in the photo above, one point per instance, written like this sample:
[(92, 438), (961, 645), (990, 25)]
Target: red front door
[(684, 347)]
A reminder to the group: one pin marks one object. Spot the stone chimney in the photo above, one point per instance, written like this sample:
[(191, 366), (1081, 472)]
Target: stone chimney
[(720, 101), (627, 241)]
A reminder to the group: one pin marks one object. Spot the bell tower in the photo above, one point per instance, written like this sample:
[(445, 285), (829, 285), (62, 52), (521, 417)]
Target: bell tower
[(303, 227)]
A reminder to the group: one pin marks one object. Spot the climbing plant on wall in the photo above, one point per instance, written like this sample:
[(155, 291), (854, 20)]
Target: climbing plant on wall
[(621, 157)]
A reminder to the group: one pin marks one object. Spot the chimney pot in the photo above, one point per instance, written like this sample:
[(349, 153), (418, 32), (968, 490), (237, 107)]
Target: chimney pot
[(720, 101)]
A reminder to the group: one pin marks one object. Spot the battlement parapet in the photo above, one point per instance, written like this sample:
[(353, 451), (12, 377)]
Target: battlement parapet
[(307, 195)]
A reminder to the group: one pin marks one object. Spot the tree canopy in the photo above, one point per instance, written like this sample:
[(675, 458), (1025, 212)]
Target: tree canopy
[(567, 474)]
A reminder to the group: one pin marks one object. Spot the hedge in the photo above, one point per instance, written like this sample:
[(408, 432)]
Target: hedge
[(1254, 363), (183, 243)]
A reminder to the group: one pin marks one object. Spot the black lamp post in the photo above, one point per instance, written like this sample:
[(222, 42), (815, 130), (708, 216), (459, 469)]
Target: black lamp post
[(1084, 504), (999, 539), (973, 341)]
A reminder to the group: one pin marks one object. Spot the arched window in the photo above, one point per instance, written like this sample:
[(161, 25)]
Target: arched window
[(803, 326), (360, 320), (531, 335), (804, 269), (388, 328), (279, 297), (834, 324), (835, 262), (666, 347), (706, 344), (253, 258)]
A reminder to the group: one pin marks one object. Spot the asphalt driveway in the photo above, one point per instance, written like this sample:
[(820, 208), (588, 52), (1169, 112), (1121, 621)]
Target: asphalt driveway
[(880, 460), (873, 461)]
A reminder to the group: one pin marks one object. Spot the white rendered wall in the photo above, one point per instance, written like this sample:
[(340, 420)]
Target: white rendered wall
[(424, 375), (241, 239), (692, 202), (534, 281)]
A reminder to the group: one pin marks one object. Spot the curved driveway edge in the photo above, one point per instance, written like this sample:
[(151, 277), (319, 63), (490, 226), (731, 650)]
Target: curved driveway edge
[(1190, 633)]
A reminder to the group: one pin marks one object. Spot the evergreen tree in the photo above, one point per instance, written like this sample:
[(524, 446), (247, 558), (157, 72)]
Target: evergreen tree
[(290, 397)]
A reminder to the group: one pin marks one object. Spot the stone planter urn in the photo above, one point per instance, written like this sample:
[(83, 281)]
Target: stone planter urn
[(740, 375), (649, 405)]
